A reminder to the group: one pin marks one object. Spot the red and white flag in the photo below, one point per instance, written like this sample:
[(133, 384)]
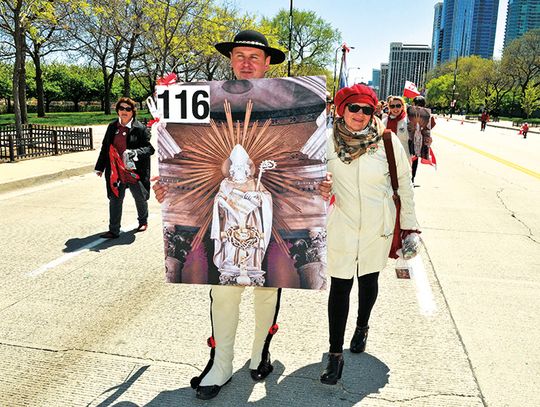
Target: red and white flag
[(410, 90)]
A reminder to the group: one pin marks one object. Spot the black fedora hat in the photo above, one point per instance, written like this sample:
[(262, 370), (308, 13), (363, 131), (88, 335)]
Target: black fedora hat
[(253, 39)]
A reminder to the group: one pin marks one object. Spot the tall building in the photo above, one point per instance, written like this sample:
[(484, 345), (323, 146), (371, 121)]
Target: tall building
[(521, 16), (437, 38), (383, 93), (376, 79), (468, 28), (407, 62)]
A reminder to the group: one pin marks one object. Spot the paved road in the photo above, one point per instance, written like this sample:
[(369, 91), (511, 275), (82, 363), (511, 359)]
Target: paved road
[(85, 322)]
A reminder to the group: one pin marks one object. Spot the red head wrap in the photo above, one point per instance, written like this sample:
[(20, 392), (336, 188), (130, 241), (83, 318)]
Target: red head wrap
[(358, 93)]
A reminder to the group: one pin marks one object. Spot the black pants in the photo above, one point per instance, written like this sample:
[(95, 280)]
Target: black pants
[(414, 166), (140, 195), (338, 306)]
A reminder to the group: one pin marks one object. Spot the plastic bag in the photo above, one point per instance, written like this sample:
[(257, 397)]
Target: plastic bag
[(411, 245)]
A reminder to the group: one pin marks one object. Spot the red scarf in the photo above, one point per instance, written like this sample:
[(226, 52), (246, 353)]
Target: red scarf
[(119, 172), (391, 124)]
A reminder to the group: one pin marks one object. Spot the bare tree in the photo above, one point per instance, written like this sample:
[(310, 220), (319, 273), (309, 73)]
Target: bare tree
[(43, 38), (93, 29)]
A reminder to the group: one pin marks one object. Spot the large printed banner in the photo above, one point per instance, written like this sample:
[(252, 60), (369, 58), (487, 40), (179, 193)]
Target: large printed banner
[(242, 160)]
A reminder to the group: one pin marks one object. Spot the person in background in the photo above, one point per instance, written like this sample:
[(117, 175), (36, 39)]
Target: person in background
[(525, 129), (361, 224), (329, 113), (125, 159), (419, 101), (379, 110), (484, 118), (396, 121)]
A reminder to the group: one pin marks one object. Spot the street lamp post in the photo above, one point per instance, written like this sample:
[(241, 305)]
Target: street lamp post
[(453, 103)]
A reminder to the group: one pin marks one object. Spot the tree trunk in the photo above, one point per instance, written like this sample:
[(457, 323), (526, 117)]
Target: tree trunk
[(17, 72), (22, 87), (127, 82), (39, 82), (107, 91), (127, 69)]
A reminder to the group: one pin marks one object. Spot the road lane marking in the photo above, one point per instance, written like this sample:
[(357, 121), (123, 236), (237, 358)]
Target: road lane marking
[(68, 256), (493, 157), (424, 295)]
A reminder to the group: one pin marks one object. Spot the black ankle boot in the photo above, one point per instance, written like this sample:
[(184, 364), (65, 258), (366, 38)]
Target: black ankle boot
[(333, 370), (263, 370), (359, 339)]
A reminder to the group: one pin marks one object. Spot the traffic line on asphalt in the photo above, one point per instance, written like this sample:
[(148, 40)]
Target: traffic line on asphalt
[(69, 256), (424, 295), (493, 157)]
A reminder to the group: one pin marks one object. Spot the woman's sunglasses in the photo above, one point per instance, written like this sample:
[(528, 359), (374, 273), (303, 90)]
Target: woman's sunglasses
[(126, 108), (396, 106), (367, 110)]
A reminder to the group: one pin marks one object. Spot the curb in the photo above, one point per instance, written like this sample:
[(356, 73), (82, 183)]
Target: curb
[(42, 179)]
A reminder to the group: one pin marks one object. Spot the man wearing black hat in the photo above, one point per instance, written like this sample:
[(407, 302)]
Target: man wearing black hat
[(250, 58)]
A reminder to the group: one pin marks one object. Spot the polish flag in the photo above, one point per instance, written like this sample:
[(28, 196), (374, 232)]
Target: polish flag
[(430, 160), (410, 90)]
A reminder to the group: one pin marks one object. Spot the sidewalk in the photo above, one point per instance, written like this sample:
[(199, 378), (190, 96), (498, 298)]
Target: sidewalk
[(32, 172), (503, 124)]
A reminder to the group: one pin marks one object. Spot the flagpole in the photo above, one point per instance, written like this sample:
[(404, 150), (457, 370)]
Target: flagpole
[(289, 63), (335, 66), (343, 51)]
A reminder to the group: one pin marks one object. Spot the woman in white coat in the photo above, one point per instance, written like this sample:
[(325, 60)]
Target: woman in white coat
[(361, 223), (397, 121)]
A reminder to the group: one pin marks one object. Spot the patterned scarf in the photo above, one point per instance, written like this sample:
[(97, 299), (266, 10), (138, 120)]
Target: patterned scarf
[(393, 121), (351, 145)]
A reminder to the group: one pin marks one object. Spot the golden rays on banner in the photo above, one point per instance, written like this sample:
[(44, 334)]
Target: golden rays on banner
[(203, 166)]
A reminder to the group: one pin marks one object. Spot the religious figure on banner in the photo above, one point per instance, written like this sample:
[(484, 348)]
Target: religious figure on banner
[(241, 221)]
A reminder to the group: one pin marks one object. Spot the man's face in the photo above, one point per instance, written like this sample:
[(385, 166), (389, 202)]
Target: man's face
[(249, 63)]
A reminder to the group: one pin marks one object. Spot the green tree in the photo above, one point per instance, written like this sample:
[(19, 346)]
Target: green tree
[(313, 44), (440, 91), (521, 61), (93, 29), (80, 83), (45, 37), (531, 99), (6, 87)]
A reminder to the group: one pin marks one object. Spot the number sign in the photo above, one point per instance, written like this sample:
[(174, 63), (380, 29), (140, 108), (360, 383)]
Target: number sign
[(181, 103)]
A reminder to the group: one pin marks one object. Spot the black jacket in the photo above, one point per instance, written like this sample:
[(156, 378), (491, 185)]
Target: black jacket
[(138, 139)]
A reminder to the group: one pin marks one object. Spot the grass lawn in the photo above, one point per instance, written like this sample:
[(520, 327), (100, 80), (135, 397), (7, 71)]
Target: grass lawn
[(80, 119)]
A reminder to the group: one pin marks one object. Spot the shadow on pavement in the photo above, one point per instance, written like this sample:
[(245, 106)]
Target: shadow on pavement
[(96, 244), (364, 375), (121, 389)]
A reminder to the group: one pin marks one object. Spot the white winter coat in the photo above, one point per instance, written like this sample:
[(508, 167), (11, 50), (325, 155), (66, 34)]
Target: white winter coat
[(402, 133), (361, 222)]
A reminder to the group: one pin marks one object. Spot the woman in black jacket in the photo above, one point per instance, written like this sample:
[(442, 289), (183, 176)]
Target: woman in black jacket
[(125, 159)]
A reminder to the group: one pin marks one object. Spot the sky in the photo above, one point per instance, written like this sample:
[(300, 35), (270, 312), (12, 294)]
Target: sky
[(370, 26)]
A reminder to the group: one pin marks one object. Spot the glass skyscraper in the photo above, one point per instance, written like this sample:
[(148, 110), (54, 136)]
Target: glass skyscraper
[(521, 16), (437, 39), (468, 28)]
